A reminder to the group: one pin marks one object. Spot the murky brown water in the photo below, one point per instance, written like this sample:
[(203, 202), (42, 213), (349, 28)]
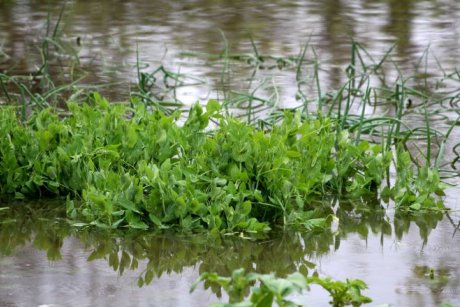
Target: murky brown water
[(46, 262)]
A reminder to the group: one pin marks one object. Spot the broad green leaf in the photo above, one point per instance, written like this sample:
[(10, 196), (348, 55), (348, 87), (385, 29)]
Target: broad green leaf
[(212, 106)]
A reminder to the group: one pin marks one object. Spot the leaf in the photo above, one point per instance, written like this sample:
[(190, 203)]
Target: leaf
[(113, 260), (293, 154), (148, 277), (155, 220), (415, 206), (79, 224), (298, 279), (135, 222), (244, 208), (117, 223), (440, 192), (212, 106), (220, 181), (131, 137), (127, 204), (166, 166)]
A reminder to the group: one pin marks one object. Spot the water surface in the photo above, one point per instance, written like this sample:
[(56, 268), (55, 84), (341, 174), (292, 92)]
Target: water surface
[(44, 261), (106, 35)]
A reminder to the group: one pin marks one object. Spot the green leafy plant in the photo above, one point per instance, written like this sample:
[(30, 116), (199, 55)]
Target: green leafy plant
[(415, 190), (267, 289), (343, 293), (130, 167)]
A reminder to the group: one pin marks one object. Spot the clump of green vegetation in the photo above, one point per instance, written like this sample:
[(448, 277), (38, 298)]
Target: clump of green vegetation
[(272, 289), (126, 166), (413, 193)]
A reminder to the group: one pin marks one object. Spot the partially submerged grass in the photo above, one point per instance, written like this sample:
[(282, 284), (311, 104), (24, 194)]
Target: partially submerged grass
[(55, 78), (130, 167)]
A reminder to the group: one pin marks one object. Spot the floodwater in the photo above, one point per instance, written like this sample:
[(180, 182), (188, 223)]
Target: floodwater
[(44, 261), (107, 37)]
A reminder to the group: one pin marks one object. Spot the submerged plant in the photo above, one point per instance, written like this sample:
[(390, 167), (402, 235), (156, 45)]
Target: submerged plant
[(267, 289)]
